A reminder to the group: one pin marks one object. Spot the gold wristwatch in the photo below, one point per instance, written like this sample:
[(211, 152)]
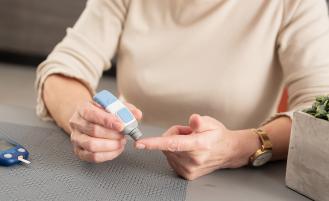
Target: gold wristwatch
[(263, 154)]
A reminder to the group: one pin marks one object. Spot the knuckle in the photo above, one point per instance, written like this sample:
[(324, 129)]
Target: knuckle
[(198, 160), (91, 145), (73, 138), (173, 128), (173, 146), (186, 174), (114, 135), (189, 176), (120, 136), (190, 169), (93, 129), (73, 122), (84, 111), (109, 121), (202, 144), (96, 158), (87, 111)]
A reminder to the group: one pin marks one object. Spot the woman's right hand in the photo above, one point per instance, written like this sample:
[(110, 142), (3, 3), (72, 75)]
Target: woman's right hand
[(95, 133)]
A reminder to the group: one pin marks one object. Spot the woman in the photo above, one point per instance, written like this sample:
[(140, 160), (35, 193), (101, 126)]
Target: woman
[(219, 65)]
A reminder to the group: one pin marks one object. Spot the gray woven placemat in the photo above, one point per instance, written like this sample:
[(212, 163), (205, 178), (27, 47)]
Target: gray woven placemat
[(56, 174)]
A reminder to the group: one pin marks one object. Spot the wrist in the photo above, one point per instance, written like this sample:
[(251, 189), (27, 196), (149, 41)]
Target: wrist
[(62, 96), (246, 144)]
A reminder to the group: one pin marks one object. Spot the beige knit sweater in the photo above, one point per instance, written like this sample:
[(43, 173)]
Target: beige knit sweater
[(228, 59)]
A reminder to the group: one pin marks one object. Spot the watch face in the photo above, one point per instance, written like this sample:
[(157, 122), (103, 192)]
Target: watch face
[(262, 158)]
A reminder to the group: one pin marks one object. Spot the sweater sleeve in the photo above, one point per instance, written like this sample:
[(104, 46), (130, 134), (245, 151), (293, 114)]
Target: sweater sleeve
[(86, 50), (303, 50)]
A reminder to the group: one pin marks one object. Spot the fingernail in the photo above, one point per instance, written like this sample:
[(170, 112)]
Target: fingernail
[(140, 146)]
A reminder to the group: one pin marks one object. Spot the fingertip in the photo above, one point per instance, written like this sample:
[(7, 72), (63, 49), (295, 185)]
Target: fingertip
[(194, 121), (136, 112), (193, 117), (139, 115), (139, 145)]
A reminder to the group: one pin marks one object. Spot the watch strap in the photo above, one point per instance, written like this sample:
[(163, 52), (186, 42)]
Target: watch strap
[(263, 137)]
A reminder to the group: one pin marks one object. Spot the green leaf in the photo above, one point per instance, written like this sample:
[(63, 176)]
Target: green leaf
[(310, 110), (320, 108)]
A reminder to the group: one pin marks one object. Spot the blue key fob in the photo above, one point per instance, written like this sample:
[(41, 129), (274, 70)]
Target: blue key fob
[(12, 153)]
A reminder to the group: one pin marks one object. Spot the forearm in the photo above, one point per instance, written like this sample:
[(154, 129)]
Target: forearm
[(61, 96), (278, 131)]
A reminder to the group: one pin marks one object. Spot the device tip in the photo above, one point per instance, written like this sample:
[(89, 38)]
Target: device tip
[(136, 134)]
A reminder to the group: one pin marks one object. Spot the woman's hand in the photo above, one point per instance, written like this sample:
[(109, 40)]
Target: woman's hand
[(95, 133), (203, 147)]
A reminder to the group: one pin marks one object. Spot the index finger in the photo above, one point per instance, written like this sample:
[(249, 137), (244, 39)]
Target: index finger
[(133, 109), (96, 115), (173, 143)]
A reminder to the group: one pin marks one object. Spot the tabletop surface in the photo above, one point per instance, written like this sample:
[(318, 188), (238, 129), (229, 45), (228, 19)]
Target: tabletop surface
[(265, 183)]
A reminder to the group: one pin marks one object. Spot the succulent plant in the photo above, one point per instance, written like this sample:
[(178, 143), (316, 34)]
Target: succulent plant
[(320, 108)]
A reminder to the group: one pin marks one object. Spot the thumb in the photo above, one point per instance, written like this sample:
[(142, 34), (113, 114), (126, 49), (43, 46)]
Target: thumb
[(202, 123)]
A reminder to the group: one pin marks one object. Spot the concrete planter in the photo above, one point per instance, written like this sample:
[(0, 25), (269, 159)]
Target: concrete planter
[(308, 159)]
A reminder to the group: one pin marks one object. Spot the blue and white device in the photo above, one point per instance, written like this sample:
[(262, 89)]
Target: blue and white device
[(12, 153), (114, 106)]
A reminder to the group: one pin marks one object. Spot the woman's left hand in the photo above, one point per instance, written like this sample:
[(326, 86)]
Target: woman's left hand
[(203, 147)]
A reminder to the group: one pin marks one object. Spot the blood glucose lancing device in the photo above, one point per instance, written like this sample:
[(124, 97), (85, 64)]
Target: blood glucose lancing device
[(12, 153), (114, 106)]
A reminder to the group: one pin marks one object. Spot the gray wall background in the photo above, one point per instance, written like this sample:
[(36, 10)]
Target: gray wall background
[(34, 27)]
